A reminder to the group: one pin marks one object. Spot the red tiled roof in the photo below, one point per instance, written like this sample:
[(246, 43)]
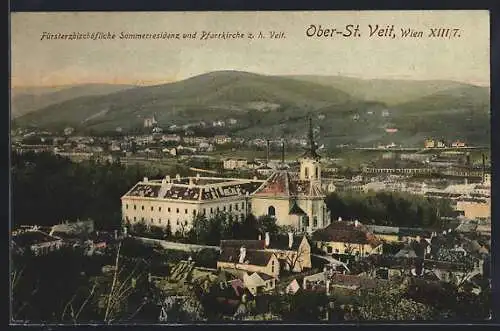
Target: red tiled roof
[(285, 184), (254, 257), (184, 192), (346, 232)]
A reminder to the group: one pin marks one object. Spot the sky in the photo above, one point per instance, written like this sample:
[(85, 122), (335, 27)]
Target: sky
[(36, 62)]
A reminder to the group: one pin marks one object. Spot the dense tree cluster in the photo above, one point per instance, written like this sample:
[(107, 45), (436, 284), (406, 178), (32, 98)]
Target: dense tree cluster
[(388, 303), (389, 208), (210, 231), (48, 189)]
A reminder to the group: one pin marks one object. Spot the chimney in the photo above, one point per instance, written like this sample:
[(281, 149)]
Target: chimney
[(356, 223), (283, 152), (268, 239), (484, 166), (290, 239), (267, 155), (243, 253), (339, 219), (145, 179)]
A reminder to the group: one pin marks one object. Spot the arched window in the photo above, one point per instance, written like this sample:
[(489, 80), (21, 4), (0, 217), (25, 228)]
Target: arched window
[(306, 172), (305, 220), (317, 172), (315, 221), (271, 211)]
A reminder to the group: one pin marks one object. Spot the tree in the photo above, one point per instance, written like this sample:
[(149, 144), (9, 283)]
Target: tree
[(303, 306), (267, 224), (388, 303), (298, 256)]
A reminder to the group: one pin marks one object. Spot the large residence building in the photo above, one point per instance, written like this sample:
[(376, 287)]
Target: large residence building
[(176, 201), (294, 199)]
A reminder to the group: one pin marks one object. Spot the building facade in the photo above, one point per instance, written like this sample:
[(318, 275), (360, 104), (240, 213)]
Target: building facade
[(295, 200), (176, 202)]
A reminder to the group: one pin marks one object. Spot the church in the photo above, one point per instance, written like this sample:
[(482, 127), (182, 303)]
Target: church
[(295, 199)]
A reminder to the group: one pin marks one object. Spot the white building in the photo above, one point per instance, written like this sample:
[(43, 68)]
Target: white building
[(177, 201), (150, 122), (231, 164)]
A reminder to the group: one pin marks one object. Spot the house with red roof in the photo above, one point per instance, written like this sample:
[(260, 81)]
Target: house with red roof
[(346, 237)]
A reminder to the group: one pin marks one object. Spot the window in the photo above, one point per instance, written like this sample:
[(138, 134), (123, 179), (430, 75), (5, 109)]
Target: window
[(177, 222), (204, 211), (126, 218), (217, 209), (185, 222), (224, 208), (177, 210), (242, 205), (305, 220), (126, 206), (159, 208), (142, 207), (211, 210), (142, 219), (317, 173), (151, 208), (271, 211), (152, 220), (168, 209), (135, 219), (236, 206), (230, 207), (306, 172), (315, 221), (194, 212), (329, 250), (272, 266), (159, 221), (185, 211), (135, 207)]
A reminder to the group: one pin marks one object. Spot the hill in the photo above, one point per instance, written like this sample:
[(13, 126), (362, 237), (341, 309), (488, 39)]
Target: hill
[(387, 91), (277, 106), (25, 100), (457, 113), (205, 97)]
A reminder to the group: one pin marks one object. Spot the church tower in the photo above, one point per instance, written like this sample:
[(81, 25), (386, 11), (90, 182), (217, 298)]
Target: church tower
[(310, 167)]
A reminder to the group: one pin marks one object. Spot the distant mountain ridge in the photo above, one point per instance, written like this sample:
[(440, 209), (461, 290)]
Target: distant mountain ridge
[(28, 99), (388, 91), (264, 105)]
